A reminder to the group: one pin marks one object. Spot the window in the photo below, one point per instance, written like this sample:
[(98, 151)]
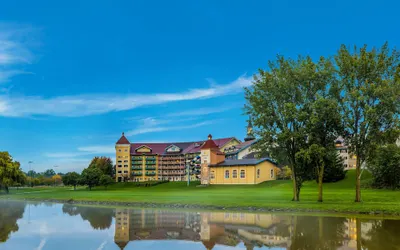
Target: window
[(126, 150), (125, 172), (119, 172), (119, 150), (119, 166), (125, 166), (119, 161), (119, 156), (226, 174), (125, 160), (272, 173), (234, 174), (258, 173), (242, 174), (212, 175)]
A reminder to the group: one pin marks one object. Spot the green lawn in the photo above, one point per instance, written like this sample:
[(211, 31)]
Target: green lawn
[(338, 196)]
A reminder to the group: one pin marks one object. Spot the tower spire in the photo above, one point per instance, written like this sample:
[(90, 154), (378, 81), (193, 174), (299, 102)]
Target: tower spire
[(249, 134)]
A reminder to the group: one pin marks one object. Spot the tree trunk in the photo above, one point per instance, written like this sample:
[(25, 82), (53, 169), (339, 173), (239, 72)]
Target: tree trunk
[(358, 180), (320, 182), (74, 187), (7, 190), (90, 188), (295, 193)]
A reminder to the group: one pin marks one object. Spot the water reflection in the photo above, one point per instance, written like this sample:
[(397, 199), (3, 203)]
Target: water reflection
[(50, 226)]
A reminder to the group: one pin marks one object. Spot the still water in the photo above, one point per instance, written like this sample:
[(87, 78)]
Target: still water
[(45, 226)]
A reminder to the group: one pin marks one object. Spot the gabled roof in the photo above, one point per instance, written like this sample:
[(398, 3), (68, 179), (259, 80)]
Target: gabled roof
[(123, 140), (242, 146), (242, 162), (143, 146)]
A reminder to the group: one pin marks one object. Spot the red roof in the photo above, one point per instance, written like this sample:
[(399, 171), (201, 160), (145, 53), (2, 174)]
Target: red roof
[(123, 140), (209, 143), (187, 147)]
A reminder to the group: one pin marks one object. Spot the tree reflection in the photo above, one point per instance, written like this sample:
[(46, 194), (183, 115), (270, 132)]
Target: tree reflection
[(317, 232), (382, 234), (10, 212), (99, 218)]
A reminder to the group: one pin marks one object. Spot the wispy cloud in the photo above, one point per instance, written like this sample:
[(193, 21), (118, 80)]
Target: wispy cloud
[(145, 130), (83, 151), (99, 104), (14, 50), (200, 111)]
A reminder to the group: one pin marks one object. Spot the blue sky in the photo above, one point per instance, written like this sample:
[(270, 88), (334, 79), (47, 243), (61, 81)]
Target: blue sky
[(75, 74)]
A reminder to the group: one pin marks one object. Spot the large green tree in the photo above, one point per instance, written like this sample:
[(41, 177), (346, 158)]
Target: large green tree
[(323, 127), (103, 163), (10, 172), (279, 103), (370, 83), (91, 177)]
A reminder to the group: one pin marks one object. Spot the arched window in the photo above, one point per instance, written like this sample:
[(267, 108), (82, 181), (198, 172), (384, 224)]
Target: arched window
[(226, 174), (234, 173), (242, 174), (258, 173), (212, 174), (272, 173)]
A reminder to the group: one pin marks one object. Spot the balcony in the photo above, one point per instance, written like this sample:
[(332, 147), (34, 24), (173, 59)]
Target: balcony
[(137, 168), (137, 163), (150, 173), (150, 168), (151, 158), (137, 174), (150, 162)]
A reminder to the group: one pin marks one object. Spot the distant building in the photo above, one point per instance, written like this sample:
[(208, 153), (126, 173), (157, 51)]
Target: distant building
[(349, 160), (161, 161)]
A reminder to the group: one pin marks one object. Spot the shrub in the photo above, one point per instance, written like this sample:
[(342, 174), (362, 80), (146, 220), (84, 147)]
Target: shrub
[(385, 167)]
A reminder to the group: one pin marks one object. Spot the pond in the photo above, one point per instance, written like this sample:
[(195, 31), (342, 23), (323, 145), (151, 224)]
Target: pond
[(42, 226)]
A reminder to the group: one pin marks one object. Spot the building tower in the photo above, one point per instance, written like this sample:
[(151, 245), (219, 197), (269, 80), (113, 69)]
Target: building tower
[(123, 158), (209, 154), (249, 134)]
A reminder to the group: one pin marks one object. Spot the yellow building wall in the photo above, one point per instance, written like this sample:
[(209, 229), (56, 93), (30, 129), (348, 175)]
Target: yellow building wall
[(251, 176), (219, 175), (123, 154)]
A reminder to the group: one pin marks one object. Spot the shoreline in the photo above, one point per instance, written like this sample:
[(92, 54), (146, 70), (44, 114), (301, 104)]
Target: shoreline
[(152, 205)]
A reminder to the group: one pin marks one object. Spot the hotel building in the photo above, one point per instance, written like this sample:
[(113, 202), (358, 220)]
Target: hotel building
[(171, 161)]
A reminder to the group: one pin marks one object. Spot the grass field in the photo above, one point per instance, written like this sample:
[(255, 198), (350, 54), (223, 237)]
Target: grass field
[(338, 196)]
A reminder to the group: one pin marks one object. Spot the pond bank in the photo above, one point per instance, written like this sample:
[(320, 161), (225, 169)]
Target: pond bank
[(380, 214)]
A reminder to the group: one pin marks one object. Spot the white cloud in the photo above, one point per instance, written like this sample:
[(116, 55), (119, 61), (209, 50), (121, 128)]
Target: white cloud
[(83, 105), (13, 50), (145, 130)]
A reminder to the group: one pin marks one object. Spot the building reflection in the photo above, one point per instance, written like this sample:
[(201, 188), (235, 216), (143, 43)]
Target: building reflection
[(214, 228), (252, 230)]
